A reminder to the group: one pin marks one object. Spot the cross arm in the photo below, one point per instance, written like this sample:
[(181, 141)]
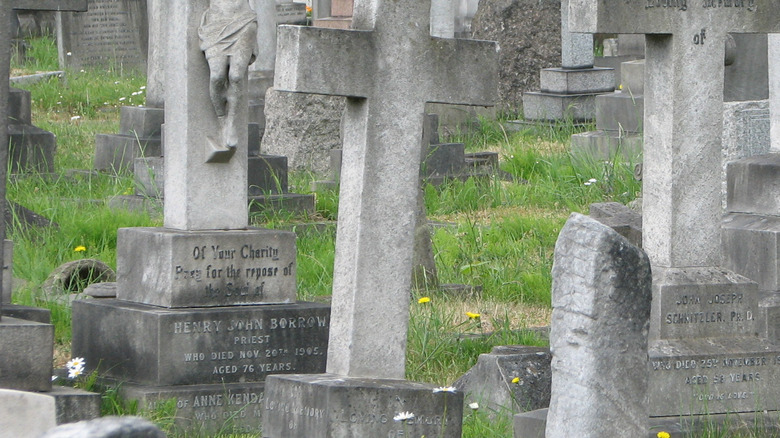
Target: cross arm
[(311, 60), (464, 72), (48, 5)]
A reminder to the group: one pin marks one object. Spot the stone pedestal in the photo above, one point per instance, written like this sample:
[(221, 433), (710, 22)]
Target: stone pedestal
[(31, 149), (140, 135), (567, 94), (327, 405)]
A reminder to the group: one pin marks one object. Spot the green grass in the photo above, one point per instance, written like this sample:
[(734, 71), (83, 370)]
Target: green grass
[(496, 234)]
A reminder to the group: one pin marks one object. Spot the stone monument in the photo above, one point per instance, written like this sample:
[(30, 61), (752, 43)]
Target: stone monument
[(383, 122), (569, 92), (707, 342), (191, 319)]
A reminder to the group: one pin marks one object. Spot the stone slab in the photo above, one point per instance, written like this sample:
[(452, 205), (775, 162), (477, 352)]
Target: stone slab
[(577, 81), (614, 62), (550, 107), (327, 405), (702, 303), (489, 382), (627, 222), (141, 122), (116, 152), (530, 424), (290, 202), (707, 376), (110, 426), (109, 34), (25, 413), (753, 185), (605, 146), (31, 149), (156, 346), (444, 159), (751, 248), (173, 268), (632, 77), (267, 174), (75, 404), (149, 176), (622, 112), (205, 409), (19, 110), (27, 354), (35, 314)]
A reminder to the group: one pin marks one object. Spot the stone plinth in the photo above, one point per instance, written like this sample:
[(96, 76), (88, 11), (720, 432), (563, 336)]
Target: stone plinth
[(157, 346), (27, 354), (579, 81), (327, 405), (172, 268)]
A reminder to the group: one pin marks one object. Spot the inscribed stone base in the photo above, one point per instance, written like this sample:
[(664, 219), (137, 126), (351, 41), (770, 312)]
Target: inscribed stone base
[(577, 81), (551, 107), (751, 247), (713, 376), (291, 202), (26, 354), (203, 410), (116, 152), (267, 174), (75, 404), (620, 112), (327, 405), (31, 149), (702, 303), (490, 384), (205, 268), (606, 145), (158, 346), (532, 424)]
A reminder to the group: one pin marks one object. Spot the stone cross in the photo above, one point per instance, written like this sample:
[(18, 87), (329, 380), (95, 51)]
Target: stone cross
[(388, 66), (5, 65), (685, 48)]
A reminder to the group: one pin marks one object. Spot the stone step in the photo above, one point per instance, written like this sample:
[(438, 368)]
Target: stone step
[(750, 248), (753, 185), (551, 107), (577, 81)]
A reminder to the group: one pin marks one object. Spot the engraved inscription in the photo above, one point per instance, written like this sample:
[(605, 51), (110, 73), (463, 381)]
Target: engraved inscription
[(677, 4)]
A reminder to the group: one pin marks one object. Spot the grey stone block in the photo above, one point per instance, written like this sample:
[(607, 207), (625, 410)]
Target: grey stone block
[(489, 382), (290, 202), (205, 409), (753, 185), (632, 77), (156, 346), (327, 405), (701, 302), (35, 314), (172, 268), (577, 81), (614, 62), (141, 122), (551, 107), (267, 174), (627, 222), (606, 145), (750, 248), (622, 112), (19, 109), (530, 424), (703, 376), (107, 427), (444, 159), (75, 404), (116, 152), (254, 137), (27, 354), (31, 149), (149, 176), (24, 414)]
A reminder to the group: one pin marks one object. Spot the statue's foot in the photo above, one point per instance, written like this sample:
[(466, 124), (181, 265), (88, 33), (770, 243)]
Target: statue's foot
[(231, 137)]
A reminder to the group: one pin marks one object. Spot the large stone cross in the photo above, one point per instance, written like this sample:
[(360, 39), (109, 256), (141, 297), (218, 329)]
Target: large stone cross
[(5, 65), (388, 67), (685, 44)]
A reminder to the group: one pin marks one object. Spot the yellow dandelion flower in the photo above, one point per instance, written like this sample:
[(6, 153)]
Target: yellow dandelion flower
[(424, 300), (663, 434), (516, 380), (472, 315), (80, 248)]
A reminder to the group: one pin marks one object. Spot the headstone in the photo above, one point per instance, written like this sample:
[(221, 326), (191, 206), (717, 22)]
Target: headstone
[(31, 148), (704, 328), (111, 34), (569, 92), (382, 133), (25, 413), (190, 317)]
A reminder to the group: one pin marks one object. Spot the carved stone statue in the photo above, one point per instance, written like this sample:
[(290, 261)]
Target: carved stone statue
[(228, 37)]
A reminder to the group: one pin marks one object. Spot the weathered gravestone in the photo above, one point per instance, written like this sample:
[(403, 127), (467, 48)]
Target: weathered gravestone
[(190, 320), (377, 213), (601, 298), (112, 33), (708, 351)]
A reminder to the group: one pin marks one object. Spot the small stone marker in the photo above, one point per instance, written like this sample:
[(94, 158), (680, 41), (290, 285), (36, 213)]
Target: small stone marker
[(382, 131), (601, 308), (112, 33), (705, 355)]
